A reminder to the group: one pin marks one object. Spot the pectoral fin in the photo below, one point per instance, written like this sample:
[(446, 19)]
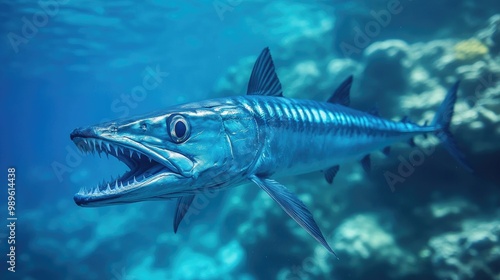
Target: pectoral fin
[(293, 207), (183, 204)]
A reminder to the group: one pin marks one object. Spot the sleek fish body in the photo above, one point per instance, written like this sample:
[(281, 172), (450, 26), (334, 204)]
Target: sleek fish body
[(221, 143)]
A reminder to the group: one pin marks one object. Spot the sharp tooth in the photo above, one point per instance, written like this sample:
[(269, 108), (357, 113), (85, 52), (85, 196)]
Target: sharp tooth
[(115, 149), (80, 147), (99, 147), (121, 149), (131, 153), (135, 181), (139, 155), (150, 159), (85, 141), (143, 177), (116, 184), (108, 147), (121, 185), (97, 144), (108, 189)]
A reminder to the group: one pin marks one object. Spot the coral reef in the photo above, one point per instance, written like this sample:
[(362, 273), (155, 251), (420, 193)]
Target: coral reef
[(471, 49), (473, 252), (365, 242), (491, 34)]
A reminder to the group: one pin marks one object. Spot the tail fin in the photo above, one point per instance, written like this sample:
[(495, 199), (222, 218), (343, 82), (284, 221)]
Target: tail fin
[(442, 122)]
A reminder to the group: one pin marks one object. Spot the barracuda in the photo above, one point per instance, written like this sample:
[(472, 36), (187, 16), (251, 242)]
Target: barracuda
[(221, 143)]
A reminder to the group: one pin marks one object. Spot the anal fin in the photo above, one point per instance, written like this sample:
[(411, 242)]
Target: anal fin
[(330, 173), (386, 151), (366, 163)]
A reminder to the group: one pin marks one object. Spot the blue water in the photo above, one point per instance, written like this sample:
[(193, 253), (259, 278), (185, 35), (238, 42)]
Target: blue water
[(70, 64)]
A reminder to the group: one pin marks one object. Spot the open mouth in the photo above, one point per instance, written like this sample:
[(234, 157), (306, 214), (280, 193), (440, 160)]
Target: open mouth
[(142, 167)]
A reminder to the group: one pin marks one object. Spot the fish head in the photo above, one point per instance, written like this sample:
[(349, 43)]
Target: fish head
[(170, 154)]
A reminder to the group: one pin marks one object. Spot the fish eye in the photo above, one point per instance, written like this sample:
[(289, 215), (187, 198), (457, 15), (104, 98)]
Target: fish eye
[(178, 128)]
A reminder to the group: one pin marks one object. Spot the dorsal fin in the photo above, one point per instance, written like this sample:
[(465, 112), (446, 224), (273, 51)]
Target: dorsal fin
[(264, 80), (341, 94), (365, 162)]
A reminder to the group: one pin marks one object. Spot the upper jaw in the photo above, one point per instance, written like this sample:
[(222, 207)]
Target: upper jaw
[(146, 167)]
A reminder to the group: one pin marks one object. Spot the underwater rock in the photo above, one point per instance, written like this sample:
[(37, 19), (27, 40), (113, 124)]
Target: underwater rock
[(235, 80), (363, 241), (223, 264), (446, 214), (386, 71), (491, 34), (470, 49), (472, 253)]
